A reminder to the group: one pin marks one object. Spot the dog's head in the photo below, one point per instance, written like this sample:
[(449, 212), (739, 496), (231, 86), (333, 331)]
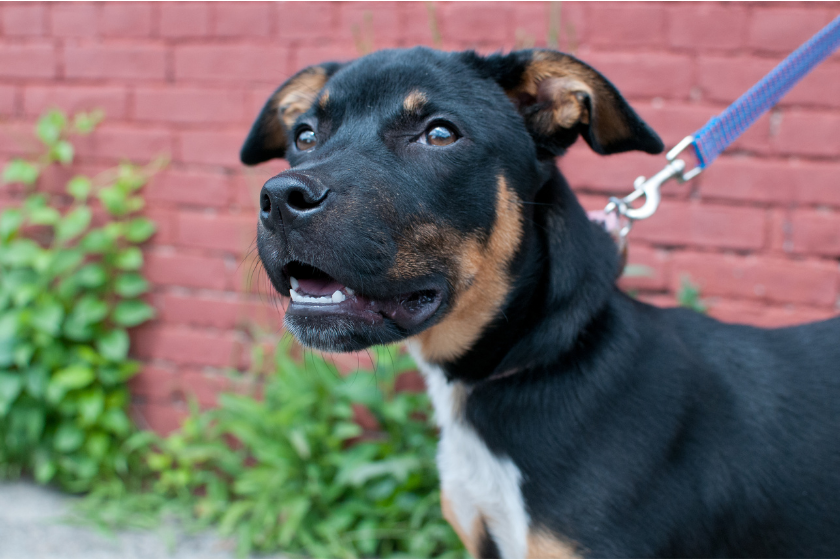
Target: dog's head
[(406, 202)]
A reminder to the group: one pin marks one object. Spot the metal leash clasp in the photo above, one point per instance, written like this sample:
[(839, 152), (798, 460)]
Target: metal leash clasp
[(650, 189)]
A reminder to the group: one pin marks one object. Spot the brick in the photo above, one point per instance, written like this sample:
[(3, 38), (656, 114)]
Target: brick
[(763, 278), (368, 25), (243, 19), (188, 105), (113, 100), (24, 20), (821, 87), (724, 79), (126, 19), (532, 21), (140, 145), (648, 269), (218, 311), (16, 139), (160, 418), (707, 26), (182, 345), (472, 23), (189, 188), (115, 61), (232, 63), (773, 181), (211, 148), (807, 134), (674, 122), (232, 233), (184, 19), (704, 225), (8, 101), (311, 21), (784, 29), (755, 314), (618, 24), (815, 232), (652, 75), (154, 383), (74, 19), (191, 271), (204, 387), (307, 56), (421, 23), (27, 61)]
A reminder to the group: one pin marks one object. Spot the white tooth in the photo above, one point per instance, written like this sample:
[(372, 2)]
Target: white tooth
[(349, 291), (338, 297), (294, 282), (295, 295)]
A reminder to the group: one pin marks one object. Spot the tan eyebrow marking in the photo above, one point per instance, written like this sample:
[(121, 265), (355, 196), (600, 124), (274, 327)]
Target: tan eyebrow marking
[(414, 101)]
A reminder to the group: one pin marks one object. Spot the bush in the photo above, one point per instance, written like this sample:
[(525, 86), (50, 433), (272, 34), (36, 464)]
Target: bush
[(68, 291), (293, 471)]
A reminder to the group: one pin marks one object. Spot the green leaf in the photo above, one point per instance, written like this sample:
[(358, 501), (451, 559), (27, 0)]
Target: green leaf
[(50, 126), (45, 468), (91, 405), (63, 152), (89, 310), (115, 421), (85, 123), (20, 252), (132, 312), (68, 438), (20, 171), (113, 345), (10, 221), (130, 284), (114, 200), (45, 216), (47, 318), (139, 230), (97, 241), (92, 275), (79, 187), (10, 387), (130, 258), (37, 378), (73, 224), (76, 376)]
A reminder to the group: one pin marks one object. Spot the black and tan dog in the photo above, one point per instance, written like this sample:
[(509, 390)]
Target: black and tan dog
[(423, 203)]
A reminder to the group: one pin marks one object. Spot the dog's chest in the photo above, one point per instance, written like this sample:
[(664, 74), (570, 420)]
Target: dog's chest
[(480, 489)]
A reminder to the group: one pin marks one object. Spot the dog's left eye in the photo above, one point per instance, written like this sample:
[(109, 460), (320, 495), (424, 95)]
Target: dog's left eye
[(305, 140), (440, 136)]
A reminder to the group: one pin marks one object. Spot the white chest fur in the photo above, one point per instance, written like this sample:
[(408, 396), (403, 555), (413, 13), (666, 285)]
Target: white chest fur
[(478, 484)]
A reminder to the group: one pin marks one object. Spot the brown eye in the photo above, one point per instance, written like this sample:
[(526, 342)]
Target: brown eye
[(440, 136), (305, 140)]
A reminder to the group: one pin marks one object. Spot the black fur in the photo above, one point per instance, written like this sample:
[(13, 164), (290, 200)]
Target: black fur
[(639, 431)]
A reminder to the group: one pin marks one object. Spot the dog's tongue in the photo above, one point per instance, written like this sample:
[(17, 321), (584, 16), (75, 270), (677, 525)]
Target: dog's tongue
[(318, 286)]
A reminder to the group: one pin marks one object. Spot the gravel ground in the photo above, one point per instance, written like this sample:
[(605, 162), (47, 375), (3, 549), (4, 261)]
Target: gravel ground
[(33, 525)]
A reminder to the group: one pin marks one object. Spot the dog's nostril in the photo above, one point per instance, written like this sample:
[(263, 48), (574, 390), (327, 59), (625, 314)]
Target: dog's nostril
[(265, 204), (298, 200)]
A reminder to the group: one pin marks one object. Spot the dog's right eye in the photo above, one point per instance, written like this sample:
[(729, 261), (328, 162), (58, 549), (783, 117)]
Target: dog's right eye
[(305, 140)]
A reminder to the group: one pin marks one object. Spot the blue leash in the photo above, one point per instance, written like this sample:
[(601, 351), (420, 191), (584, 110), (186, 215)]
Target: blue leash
[(722, 130)]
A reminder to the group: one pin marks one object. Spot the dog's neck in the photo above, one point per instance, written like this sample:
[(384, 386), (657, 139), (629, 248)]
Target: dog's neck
[(564, 276)]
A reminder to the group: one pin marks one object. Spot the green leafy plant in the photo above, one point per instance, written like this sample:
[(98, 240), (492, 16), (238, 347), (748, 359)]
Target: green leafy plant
[(69, 289), (294, 472), (689, 296)]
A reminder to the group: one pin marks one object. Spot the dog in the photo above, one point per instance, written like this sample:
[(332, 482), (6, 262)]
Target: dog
[(423, 203)]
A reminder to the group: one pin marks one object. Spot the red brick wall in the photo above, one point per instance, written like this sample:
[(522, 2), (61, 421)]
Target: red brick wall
[(759, 232)]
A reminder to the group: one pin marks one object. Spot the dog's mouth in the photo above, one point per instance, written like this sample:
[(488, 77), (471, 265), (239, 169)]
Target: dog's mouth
[(315, 294)]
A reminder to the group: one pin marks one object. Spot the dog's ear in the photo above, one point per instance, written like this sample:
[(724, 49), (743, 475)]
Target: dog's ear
[(560, 97), (269, 134)]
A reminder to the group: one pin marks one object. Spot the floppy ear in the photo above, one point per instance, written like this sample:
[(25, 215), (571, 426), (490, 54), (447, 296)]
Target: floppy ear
[(560, 98), (269, 134)]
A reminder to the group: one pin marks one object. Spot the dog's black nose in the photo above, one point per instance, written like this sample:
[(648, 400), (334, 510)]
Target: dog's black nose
[(289, 197)]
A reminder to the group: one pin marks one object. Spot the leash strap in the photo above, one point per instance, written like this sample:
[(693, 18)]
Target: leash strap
[(720, 131), (723, 129)]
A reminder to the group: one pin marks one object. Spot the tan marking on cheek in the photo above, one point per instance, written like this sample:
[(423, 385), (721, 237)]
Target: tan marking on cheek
[(542, 544), (483, 283), (423, 248), (325, 98), (298, 96), (414, 101), (473, 538)]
